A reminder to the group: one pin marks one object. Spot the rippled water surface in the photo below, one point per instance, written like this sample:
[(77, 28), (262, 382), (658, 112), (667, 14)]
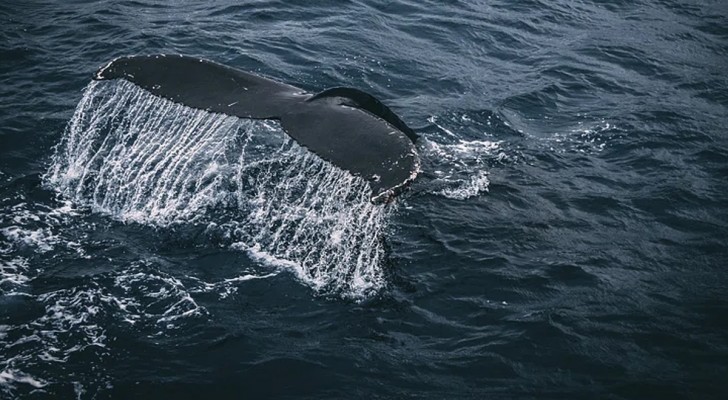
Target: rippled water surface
[(565, 239)]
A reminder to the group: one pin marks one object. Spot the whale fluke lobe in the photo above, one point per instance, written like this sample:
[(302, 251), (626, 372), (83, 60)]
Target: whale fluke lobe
[(205, 85), (345, 126)]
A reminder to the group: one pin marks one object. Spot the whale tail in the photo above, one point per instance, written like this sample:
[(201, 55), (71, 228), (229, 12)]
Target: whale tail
[(345, 126)]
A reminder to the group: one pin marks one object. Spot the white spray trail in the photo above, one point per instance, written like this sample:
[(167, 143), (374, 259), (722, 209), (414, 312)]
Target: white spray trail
[(141, 158)]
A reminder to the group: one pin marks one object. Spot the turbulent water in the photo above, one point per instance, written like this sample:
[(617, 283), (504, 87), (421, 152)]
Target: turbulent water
[(565, 239)]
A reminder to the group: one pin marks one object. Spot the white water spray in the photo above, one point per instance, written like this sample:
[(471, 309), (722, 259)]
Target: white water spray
[(141, 158)]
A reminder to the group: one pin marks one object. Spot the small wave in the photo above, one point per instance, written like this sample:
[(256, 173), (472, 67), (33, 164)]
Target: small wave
[(228, 286), (588, 136), (273, 261)]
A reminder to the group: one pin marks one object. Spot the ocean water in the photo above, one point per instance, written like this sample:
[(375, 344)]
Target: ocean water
[(566, 238)]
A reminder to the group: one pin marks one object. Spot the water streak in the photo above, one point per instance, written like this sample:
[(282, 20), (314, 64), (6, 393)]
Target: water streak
[(144, 159)]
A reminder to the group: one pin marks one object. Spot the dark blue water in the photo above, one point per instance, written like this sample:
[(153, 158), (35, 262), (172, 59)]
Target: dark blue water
[(565, 239)]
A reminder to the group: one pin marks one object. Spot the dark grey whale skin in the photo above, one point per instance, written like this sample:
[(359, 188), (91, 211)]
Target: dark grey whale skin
[(345, 126)]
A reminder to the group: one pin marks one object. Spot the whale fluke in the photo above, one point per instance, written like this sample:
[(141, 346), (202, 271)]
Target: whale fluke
[(345, 126)]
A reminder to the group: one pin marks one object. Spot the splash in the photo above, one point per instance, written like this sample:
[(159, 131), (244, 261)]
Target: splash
[(144, 159), (459, 166)]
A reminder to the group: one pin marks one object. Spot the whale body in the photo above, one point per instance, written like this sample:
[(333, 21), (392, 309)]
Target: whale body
[(345, 126)]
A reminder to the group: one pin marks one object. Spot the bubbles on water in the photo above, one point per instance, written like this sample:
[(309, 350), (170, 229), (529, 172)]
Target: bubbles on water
[(66, 325), (26, 229), (458, 155), (42, 240), (150, 297), (14, 274), (590, 137), (9, 378), (144, 159), (73, 322), (466, 188), (459, 166)]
